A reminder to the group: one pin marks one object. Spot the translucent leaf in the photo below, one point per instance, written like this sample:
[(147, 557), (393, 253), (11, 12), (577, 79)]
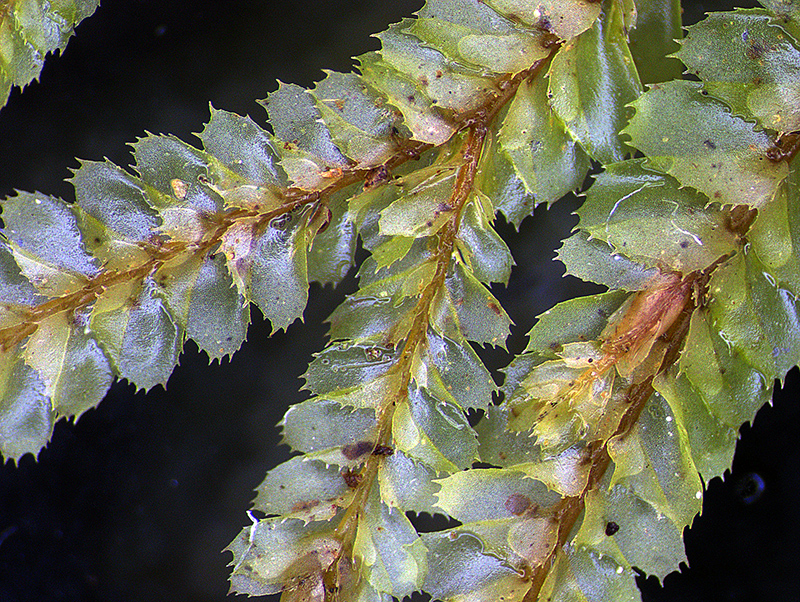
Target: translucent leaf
[(242, 147), (564, 18), (629, 207), (43, 236), (666, 478), (26, 415), (16, 291), (268, 264), (391, 554), (74, 370), (459, 571), (303, 142), (582, 574), (359, 122), (733, 390), (201, 297), (432, 75), (546, 159), (748, 61), (705, 147), (595, 261), (179, 174), (342, 366), (500, 446), (453, 373), (578, 319), (29, 30), (653, 39), (492, 493), (644, 538), (407, 484), (423, 120), (433, 432), (592, 102), (305, 489), (481, 248), (467, 310), (775, 236), (137, 333), (755, 317), (114, 213), (478, 36), (275, 555), (712, 443), (332, 433)]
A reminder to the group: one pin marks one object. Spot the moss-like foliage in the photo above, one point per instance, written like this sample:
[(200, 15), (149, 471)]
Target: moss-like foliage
[(623, 404)]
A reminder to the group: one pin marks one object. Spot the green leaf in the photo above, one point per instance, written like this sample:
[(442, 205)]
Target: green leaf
[(775, 236), (564, 18), (325, 430), (478, 36), (712, 442), (433, 432), (306, 489), (29, 30), (751, 63), (589, 576), (391, 554), (407, 484), (204, 303), (592, 102), (268, 264), (43, 235), (481, 248), (243, 148), (653, 40), (706, 147), (76, 373), (179, 174), (459, 571), (629, 207), (358, 121), (346, 365), (533, 137), (594, 260), (26, 415), (467, 310), (114, 213), (137, 333)]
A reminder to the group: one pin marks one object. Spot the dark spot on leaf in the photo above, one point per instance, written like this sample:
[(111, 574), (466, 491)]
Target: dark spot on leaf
[(352, 478), (517, 503), (611, 528), (355, 450), (709, 144), (494, 307), (382, 450), (303, 505), (684, 244)]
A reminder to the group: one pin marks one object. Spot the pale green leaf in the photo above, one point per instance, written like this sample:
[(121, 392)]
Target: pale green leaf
[(202, 299), (546, 159), (564, 18), (593, 260), (26, 415), (748, 61), (592, 102), (43, 236), (629, 207), (137, 333), (585, 575), (706, 148)]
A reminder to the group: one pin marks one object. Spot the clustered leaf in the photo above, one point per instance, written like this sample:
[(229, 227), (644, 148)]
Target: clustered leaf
[(623, 403)]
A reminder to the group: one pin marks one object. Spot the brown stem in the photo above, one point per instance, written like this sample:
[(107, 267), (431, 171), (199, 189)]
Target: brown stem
[(569, 509)]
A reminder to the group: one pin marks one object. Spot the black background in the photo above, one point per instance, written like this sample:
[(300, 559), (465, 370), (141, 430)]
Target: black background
[(136, 501)]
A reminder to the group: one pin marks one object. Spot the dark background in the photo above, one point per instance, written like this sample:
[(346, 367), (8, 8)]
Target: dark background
[(136, 501)]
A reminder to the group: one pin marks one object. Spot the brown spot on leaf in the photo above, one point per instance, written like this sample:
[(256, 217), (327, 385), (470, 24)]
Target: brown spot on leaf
[(611, 528), (382, 450), (352, 478), (517, 503), (355, 450)]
